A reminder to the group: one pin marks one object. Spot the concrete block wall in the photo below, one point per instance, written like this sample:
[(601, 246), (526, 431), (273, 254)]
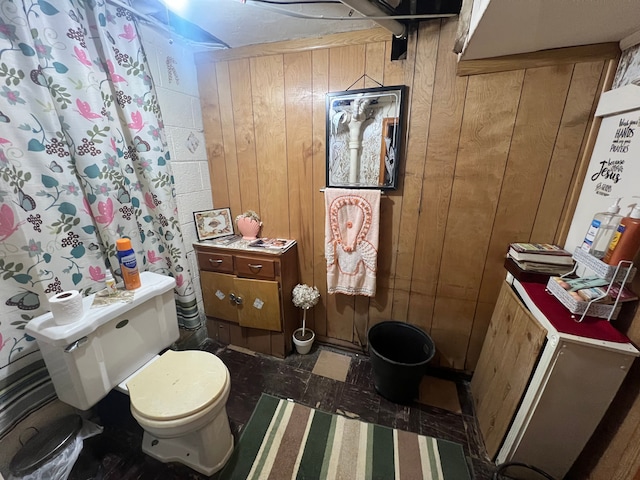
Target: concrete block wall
[(174, 74)]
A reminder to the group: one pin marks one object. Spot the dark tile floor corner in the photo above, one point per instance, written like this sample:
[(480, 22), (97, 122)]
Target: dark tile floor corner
[(116, 453)]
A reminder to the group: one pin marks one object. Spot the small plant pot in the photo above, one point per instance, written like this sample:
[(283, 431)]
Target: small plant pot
[(303, 344), (248, 228)]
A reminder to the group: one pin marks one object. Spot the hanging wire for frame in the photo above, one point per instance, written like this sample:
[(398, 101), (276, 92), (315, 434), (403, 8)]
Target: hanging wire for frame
[(364, 75)]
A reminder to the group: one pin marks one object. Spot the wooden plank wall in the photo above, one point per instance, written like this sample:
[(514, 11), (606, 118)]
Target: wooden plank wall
[(489, 159)]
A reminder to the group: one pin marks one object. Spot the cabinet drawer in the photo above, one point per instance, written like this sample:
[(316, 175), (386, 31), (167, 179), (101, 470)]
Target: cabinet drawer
[(256, 267), (215, 262)]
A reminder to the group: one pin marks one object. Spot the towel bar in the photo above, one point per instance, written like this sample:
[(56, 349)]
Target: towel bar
[(382, 192)]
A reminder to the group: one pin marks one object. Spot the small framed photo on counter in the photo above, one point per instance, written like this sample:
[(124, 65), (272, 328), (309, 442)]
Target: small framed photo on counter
[(214, 223)]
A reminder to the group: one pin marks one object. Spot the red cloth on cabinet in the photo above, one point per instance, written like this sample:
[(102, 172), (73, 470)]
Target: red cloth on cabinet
[(565, 322)]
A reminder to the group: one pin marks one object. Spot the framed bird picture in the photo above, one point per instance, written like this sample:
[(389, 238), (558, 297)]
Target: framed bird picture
[(212, 224)]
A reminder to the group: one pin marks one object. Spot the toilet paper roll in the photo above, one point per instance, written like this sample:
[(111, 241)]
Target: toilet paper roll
[(66, 307)]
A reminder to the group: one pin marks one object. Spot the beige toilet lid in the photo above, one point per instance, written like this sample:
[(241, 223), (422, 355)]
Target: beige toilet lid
[(177, 385)]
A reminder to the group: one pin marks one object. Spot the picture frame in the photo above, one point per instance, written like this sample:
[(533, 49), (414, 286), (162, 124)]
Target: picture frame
[(214, 223), (357, 124)]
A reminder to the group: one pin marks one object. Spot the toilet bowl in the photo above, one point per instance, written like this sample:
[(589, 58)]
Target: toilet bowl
[(178, 398), (180, 402)]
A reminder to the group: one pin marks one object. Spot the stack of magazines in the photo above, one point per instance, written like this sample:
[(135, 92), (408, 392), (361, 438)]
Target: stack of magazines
[(544, 259), (272, 243)]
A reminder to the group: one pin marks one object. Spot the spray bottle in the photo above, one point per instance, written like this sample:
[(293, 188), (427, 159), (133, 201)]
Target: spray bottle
[(626, 241), (128, 264), (603, 227), (110, 283)]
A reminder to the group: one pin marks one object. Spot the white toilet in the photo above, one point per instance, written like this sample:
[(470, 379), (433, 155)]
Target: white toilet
[(178, 398)]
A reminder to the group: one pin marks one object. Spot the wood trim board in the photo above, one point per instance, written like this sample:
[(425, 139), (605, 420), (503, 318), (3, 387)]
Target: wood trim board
[(543, 58)]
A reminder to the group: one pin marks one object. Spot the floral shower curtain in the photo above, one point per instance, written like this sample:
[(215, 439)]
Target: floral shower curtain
[(83, 161)]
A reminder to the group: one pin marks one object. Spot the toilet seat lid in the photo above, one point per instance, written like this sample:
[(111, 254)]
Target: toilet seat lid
[(177, 385)]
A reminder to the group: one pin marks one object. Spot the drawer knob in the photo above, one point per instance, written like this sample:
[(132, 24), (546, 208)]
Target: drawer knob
[(235, 299), (216, 262), (255, 266)]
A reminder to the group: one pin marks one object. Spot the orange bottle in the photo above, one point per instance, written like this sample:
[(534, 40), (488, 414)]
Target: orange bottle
[(626, 241), (128, 264)]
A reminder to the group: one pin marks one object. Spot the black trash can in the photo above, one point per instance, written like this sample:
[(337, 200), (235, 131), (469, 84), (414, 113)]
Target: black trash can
[(399, 355)]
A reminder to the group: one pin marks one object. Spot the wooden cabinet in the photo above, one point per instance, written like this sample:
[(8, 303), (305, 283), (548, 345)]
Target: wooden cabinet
[(543, 381), (247, 295), (509, 354)]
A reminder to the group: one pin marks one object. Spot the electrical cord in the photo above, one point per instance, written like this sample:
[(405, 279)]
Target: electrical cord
[(504, 466)]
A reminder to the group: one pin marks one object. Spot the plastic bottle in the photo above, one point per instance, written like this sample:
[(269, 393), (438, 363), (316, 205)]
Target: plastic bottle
[(128, 264), (110, 283), (605, 225), (626, 241)]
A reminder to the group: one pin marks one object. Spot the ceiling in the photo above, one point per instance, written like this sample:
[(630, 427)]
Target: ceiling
[(498, 27), (238, 23)]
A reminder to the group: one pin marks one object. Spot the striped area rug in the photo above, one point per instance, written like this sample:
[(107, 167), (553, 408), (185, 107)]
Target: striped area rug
[(286, 440)]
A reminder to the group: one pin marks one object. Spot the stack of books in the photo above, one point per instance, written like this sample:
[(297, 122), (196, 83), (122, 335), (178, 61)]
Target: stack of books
[(539, 258)]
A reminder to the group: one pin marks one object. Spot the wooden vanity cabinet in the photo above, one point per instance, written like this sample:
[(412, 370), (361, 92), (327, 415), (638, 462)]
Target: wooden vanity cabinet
[(247, 296), (543, 381), (509, 355)]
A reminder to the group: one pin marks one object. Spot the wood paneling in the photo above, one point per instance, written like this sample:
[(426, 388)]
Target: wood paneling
[(571, 200), (540, 108), (487, 160), (440, 153), (227, 126), (490, 110), (571, 134), (413, 167), (299, 129), (208, 86), (239, 75), (320, 82), (267, 91)]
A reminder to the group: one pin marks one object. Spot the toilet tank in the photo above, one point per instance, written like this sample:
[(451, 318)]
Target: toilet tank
[(89, 357)]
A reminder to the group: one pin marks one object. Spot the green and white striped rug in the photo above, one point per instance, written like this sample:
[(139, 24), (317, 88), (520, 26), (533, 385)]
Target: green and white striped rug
[(286, 440)]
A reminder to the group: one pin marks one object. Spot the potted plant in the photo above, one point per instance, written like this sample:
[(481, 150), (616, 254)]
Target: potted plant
[(248, 225), (304, 297)]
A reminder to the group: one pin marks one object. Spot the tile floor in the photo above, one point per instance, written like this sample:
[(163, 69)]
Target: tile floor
[(328, 379)]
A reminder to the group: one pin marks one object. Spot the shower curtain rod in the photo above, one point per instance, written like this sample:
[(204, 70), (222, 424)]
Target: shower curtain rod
[(382, 192)]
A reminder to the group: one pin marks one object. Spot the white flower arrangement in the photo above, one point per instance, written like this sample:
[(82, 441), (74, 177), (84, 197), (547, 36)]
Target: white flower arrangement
[(305, 296)]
